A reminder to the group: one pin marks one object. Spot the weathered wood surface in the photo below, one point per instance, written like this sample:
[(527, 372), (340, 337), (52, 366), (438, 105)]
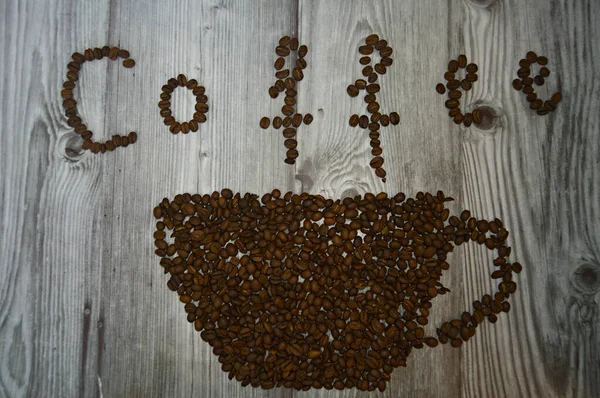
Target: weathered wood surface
[(84, 310)]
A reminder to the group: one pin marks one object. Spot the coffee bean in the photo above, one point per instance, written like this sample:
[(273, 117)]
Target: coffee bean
[(308, 118), (282, 74), (523, 72), (538, 80), (380, 44), (298, 74), (448, 76), (284, 41), (273, 92), (367, 70), (394, 118), (202, 108), (466, 85), (527, 90), (372, 77), (302, 51), (354, 120), (373, 88), (531, 57), (287, 121), (352, 90), (185, 127), (453, 85), (372, 39), (294, 44), (277, 122), (453, 66), (386, 52), (440, 88), (556, 97), (193, 126), (297, 120), (462, 61), (386, 61), (289, 132), (454, 94), (72, 76), (363, 121), (292, 154), (373, 107), (380, 68), (364, 60), (200, 117), (376, 162), (113, 54), (282, 51), (452, 104), (517, 84), (544, 72), (472, 68), (365, 50), (471, 77), (290, 143), (287, 110), (129, 63), (265, 122)]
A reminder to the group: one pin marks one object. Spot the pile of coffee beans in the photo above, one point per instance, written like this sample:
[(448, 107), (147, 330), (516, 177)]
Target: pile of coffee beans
[(377, 119), (165, 104), (305, 292), (454, 83), (290, 49), (525, 83), (70, 104)]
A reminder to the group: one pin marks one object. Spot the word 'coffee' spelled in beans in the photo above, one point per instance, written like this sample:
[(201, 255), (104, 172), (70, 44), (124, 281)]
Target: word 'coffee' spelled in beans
[(303, 292), (526, 84), (286, 82), (377, 119), (201, 107), (454, 84), (70, 104)]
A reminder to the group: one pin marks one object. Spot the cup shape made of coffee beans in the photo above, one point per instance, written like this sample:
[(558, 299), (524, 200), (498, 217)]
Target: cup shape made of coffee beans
[(303, 292)]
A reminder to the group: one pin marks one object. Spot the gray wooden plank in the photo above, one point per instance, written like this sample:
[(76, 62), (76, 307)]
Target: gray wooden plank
[(83, 305)]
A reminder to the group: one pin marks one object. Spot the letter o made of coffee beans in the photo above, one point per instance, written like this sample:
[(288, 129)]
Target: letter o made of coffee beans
[(201, 107), (525, 83)]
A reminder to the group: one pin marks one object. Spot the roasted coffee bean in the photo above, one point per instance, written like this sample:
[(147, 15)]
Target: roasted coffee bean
[(453, 66), (373, 107), (202, 108), (297, 74), (294, 44), (455, 94), (360, 84), (517, 84), (273, 92), (185, 127), (301, 63), (277, 122), (297, 120), (265, 122), (523, 72), (363, 121), (372, 39), (302, 51), (472, 68), (380, 68), (200, 117), (282, 74), (394, 118), (453, 85), (466, 85), (544, 72), (287, 121), (452, 104), (448, 76), (367, 70), (287, 110), (380, 45), (542, 60), (354, 120), (289, 132), (372, 77), (440, 88), (538, 80), (386, 61), (129, 63), (282, 51), (462, 61), (352, 90), (193, 126), (531, 57), (527, 90), (279, 63), (373, 88), (290, 143), (364, 60), (556, 97), (308, 118), (365, 50), (471, 77)]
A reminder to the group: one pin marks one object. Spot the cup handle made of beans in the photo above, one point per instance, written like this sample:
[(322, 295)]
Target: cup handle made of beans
[(493, 235)]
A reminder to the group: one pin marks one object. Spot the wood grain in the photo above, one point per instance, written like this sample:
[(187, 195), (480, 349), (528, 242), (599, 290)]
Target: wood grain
[(84, 310)]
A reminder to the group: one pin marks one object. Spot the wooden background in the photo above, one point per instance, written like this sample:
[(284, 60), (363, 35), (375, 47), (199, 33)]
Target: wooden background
[(84, 310)]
